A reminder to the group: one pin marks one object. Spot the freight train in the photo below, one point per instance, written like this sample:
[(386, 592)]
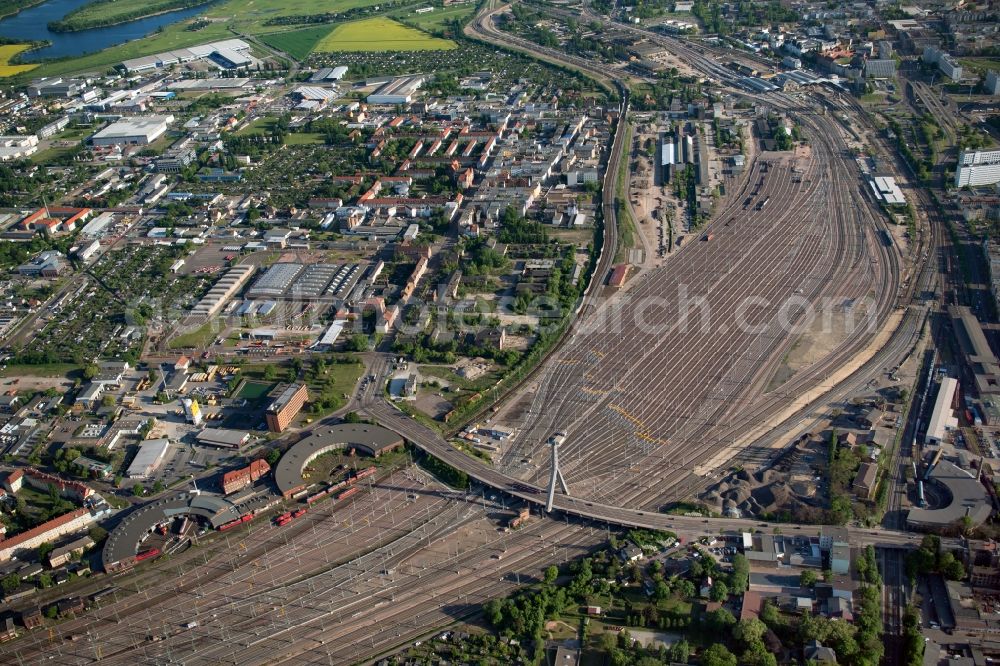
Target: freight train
[(347, 482)]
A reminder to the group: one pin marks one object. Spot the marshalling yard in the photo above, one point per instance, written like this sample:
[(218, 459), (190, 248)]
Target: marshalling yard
[(668, 377)]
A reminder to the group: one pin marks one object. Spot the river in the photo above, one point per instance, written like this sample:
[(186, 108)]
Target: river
[(32, 24)]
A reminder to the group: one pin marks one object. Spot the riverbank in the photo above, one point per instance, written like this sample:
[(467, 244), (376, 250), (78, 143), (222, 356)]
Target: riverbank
[(11, 7), (109, 13)]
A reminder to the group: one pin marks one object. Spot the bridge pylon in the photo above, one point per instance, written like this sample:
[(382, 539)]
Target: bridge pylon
[(555, 440)]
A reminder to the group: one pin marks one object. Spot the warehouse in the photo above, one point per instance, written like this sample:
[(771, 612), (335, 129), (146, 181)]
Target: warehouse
[(976, 351), (137, 131), (397, 91), (151, 454), (223, 438), (275, 281), (943, 418), (228, 286), (886, 189)]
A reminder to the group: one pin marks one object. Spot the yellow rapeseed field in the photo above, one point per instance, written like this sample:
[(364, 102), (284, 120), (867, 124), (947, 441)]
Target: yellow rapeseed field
[(8, 51), (380, 34)]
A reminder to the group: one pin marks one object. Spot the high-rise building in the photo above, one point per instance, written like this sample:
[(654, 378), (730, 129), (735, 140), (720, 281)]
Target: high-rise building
[(979, 167), (285, 406)]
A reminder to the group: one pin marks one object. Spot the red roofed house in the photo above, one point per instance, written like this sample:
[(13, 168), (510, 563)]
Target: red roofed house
[(14, 481), (51, 530), (241, 478)]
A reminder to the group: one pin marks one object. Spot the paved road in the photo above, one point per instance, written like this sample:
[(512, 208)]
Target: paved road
[(434, 444)]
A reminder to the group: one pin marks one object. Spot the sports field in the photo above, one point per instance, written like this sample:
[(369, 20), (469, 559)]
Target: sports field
[(8, 51), (380, 34)]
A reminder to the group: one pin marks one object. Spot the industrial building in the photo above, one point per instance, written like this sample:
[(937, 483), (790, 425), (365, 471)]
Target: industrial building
[(976, 350), (223, 438), (285, 406), (979, 167), (967, 496), (151, 454), (227, 53), (943, 417), (397, 91), (329, 74), (275, 281), (17, 147), (134, 131), (369, 439), (297, 281), (887, 191), (228, 286)]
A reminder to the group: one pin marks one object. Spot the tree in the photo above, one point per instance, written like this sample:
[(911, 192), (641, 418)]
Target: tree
[(494, 612), (158, 487), (358, 343), (10, 582), (52, 612), (680, 651), (97, 533), (718, 655), (44, 549), (270, 373), (769, 614), (551, 574), (685, 589), (44, 581), (741, 574), (951, 568), (720, 621), (138, 490), (91, 371), (808, 578), (749, 631), (272, 457), (719, 591)]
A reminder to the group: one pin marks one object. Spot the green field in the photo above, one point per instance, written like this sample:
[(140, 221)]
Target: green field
[(230, 18), (44, 370), (298, 43), (255, 390), (304, 139), (436, 19), (198, 338), (380, 34)]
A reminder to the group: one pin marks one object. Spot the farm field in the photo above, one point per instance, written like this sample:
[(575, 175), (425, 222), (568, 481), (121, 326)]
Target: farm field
[(298, 43), (380, 34), (8, 51)]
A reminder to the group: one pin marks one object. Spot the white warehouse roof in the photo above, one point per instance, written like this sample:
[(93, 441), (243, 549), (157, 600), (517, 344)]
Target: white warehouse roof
[(943, 418), (150, 456)]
